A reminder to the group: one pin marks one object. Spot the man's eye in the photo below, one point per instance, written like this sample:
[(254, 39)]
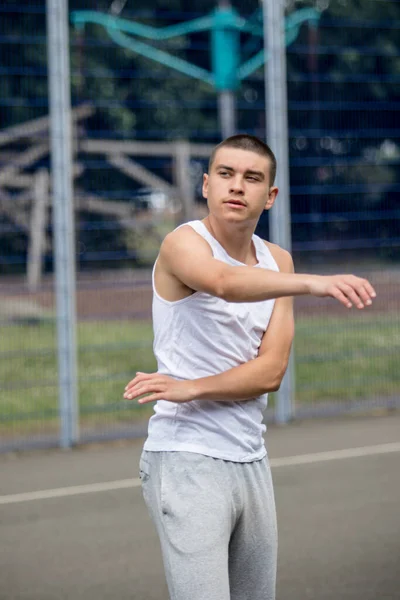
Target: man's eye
[(223, 173)]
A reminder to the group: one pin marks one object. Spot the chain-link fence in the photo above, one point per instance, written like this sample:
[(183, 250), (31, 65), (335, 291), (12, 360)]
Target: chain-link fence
[(136, 176)]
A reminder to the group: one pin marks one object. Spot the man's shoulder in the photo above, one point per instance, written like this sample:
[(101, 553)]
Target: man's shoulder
[(282, 257), (181, 235), (183, 241)]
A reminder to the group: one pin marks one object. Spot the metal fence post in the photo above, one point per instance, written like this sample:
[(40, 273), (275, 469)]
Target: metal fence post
[(184, 182), (227, 113), (277, 137), (63, 215)]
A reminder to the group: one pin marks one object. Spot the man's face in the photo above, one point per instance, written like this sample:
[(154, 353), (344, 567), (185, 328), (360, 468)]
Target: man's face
[(237, 187)]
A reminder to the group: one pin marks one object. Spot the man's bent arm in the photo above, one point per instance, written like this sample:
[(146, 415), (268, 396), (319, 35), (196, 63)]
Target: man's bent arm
[(264, 373), (260, 375)]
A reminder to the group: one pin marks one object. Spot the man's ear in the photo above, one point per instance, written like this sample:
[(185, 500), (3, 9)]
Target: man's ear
[(205, 185), (273, 192)]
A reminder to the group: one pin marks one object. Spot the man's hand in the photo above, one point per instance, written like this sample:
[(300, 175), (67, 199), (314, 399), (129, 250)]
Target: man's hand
[(158, 387), (348, 289)]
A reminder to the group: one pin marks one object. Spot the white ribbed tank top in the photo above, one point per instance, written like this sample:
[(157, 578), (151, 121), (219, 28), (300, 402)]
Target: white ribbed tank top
[(203, 335)]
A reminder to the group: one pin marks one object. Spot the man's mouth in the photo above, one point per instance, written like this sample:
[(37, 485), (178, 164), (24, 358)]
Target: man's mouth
[(234, 202)]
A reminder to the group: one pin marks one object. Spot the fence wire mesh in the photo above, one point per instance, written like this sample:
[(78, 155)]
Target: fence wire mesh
[(142, 136)]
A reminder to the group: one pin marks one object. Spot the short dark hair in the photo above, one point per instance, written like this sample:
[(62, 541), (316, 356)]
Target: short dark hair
[(244, 141)]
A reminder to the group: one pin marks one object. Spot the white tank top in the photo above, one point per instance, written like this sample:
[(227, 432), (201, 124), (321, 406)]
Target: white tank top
[(203, 335)]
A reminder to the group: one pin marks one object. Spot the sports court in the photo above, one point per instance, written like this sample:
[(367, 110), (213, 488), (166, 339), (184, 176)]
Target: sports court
[(74, 525)]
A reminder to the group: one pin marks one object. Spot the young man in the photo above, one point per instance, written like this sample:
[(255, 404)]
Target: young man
[(223, 328)]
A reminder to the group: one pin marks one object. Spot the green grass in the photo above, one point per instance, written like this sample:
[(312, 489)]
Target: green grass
[(342, 359), (109, 354), (352, 357)]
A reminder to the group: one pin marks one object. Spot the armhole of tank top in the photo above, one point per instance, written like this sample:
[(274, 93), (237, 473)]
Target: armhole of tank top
[(203, 232), (262, 247), (170, 303), (200, 229)]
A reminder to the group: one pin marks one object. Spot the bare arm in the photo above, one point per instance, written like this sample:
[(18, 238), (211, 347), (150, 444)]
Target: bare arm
[(258, 376), (186, 257)]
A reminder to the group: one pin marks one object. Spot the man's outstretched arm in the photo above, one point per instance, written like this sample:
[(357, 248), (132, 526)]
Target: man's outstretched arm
[(187, 258), (258, 376)]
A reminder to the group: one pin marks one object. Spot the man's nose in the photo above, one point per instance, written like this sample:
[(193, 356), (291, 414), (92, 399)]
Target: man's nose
[(236, 186)]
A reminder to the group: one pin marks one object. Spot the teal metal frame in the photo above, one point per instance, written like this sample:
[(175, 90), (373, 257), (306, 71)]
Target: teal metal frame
[(225, 25)]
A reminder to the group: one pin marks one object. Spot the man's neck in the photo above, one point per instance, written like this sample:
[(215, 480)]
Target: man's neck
[(235, 238)]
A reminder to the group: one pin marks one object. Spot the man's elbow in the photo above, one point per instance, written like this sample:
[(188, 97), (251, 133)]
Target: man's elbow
[(275, 384), (274, 381), (274, 387)]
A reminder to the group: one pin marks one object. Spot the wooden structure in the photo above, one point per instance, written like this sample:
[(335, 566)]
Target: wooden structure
[(25, 197)]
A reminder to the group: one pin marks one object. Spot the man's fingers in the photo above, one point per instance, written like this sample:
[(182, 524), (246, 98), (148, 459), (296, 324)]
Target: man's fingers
[(144, 376), (151, 398), (364, 290), (338, 294), (133, 392), (347, 289), (367, 292), (352, 294), (371, 291), (144, 388), (138, 378), (364, 295), (130, 384)]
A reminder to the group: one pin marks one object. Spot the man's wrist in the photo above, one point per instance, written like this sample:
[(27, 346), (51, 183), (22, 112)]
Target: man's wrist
[(193, 389), (306, 283)]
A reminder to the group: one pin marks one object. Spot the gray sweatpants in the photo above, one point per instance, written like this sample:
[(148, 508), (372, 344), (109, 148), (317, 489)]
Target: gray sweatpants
[(216, 522)]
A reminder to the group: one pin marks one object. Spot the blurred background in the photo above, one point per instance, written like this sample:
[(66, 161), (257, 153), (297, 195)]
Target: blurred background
[(148, 105)]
